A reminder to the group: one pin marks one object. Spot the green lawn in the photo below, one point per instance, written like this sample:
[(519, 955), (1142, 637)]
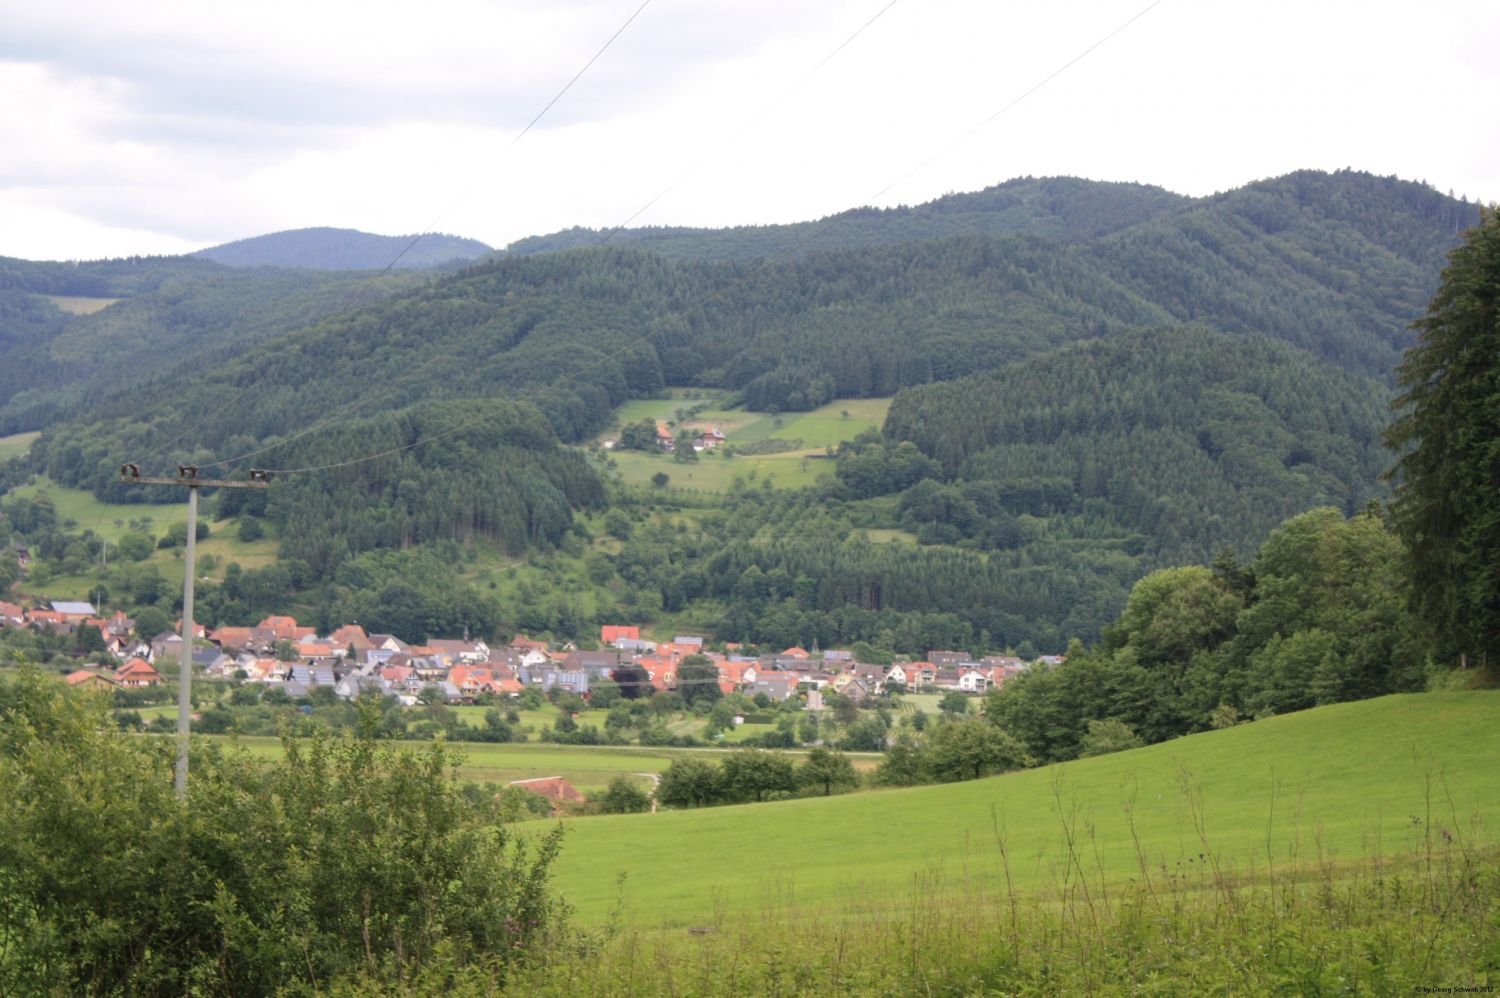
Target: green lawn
[(588, 767), (717, 473), (817, 430), (16, 445), (881, 535), (79, 304), (112, 521), (1338, 782), (925, 702), (828, 425), (661, 409), (543, 717), (91, 514)]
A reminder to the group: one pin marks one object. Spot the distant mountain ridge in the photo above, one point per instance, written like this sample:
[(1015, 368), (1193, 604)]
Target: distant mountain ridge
[(1061, 209), (324, 248)]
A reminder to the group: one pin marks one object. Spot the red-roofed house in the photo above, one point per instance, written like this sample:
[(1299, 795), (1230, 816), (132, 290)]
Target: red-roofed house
[(199, 630), (912, 674), (460, 651), (397, 675), (554, 788), (312, 647), (610, 633), (137, 672), (351, 635), (89, 680), (661, 669), (283, 627), (739, 673), (50, 619), (972, 680), (231, 637)]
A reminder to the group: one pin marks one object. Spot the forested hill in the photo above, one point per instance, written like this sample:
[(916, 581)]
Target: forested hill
[(141, 320), (1185, 439), (1338, 264), (1065, 209), (345, 249)]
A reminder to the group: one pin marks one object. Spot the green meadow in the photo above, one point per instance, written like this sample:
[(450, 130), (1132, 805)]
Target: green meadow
[(1334, 784), (817, 431), (16, 445), (588, 767), (111, 521), (79, 304), (100, 517)]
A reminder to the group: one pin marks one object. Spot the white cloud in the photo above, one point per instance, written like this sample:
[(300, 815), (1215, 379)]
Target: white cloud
[(166, 125)]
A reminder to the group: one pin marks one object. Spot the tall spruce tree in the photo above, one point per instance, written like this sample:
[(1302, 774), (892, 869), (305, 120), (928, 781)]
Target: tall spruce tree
[(1448, 437)]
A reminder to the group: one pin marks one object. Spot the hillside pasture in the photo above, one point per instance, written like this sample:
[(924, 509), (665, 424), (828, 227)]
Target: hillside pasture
[(17, 444), (817, 431), (1334, 784), (80, 304), (111, 521), (90, 514)]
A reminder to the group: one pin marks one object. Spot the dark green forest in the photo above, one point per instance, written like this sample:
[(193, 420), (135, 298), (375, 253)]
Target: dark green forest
[(176, 316), (1092, 381), (1064, 209)]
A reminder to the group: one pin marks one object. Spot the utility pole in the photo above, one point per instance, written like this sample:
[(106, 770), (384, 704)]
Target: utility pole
[(187, 477)]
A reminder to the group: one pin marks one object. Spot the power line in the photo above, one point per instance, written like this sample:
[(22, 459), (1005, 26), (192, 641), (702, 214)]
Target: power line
[(430, 227), (1017, 100), (522, 133), (830, 223), (556, 279)]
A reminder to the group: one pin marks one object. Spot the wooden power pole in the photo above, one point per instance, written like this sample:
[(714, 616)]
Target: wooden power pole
[(187, 477)]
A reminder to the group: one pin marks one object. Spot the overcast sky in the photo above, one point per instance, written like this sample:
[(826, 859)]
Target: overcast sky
[(164, 126)]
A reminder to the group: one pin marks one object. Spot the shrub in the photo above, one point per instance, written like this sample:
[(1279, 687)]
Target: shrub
[(349, 857), (623, 796)]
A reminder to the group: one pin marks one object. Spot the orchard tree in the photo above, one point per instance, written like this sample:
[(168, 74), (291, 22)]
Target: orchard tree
[(827, 769), (954, 704), (624, 796), (639, 435), (1447, 506), (690, 783), (967, 750), (752, 774)]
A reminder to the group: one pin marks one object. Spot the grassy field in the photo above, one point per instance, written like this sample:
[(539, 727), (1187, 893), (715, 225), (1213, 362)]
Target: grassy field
[(16, 445), (1337, 782), (588, 767), (91, 514), (718, 474), (112, 521), (926, 702), (79, 305), (817, 430), (663, 409)]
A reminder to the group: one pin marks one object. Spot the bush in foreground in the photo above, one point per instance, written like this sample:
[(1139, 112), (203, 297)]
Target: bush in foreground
[(348, 858)]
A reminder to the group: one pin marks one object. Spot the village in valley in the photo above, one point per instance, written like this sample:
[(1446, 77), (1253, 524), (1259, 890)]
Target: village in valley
[(282, 653), (279, 661)]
